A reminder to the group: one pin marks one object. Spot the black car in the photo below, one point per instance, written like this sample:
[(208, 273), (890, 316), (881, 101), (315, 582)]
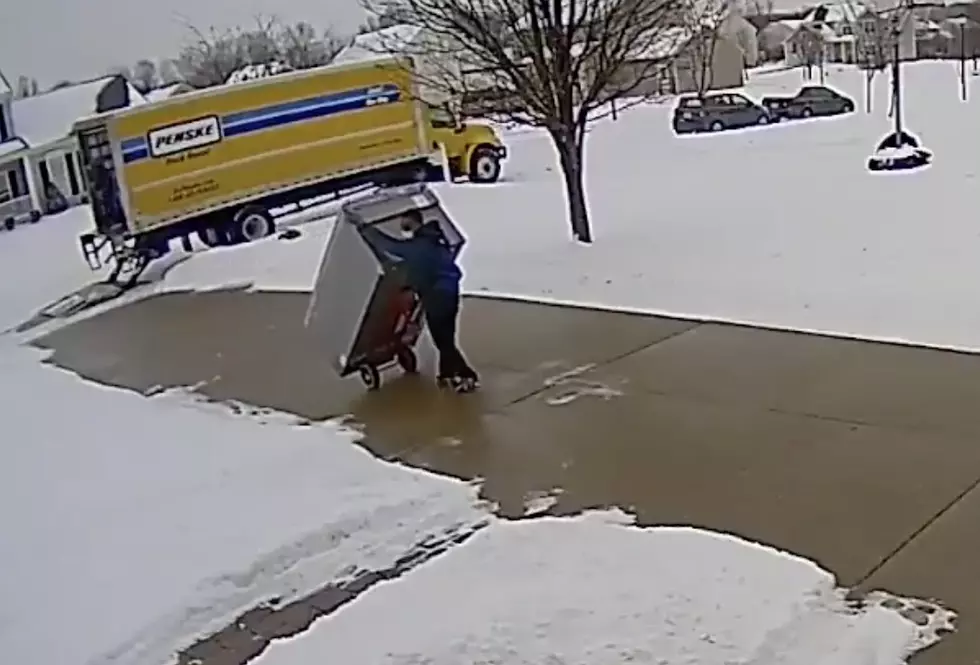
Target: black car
[(810, 101), (717, 111)]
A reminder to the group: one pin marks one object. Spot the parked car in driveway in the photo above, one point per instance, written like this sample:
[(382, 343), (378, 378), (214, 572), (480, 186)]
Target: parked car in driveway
[(810, 101), (716, 112)]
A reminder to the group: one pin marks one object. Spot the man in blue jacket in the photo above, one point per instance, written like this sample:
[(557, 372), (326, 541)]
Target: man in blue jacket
[(433, 274)]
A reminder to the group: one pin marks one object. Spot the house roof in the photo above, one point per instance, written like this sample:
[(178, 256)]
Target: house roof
[(49, 117), (378, 43), (665, 44), (165, 92), (836, 12)]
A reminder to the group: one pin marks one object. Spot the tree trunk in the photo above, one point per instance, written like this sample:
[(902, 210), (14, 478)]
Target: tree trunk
[(570, 153)]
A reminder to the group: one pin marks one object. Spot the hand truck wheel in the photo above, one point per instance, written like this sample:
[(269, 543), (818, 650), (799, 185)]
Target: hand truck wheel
[(370, 376), (407, 360)]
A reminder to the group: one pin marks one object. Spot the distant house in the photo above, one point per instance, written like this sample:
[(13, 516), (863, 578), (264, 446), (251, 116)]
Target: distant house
[(862, 33), (40, 170), (827, 33), (672, 64), (964, 38), (773, 38)]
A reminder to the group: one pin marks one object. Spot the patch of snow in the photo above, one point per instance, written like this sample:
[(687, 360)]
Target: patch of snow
[(133, 526), (587, 591), (159, 94), (536, 503), (259, 71), (901, 152), (12, 146), (379, 43), (42, 263)]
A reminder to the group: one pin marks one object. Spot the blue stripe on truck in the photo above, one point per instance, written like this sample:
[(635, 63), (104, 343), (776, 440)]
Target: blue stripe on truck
[(244, 122)]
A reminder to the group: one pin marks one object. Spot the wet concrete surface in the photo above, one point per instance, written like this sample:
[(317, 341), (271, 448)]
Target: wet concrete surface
[(860, 456)]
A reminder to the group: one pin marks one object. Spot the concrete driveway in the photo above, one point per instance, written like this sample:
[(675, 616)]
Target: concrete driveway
[(863, 457)]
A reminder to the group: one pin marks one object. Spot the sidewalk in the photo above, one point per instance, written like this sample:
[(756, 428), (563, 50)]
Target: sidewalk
[(860, 456)]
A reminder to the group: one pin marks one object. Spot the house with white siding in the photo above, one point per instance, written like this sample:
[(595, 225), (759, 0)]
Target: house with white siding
[(40, 169)]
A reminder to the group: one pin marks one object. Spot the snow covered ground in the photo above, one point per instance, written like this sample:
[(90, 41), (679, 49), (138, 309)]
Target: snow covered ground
[(591, 591), (779, 226), (133, 525)]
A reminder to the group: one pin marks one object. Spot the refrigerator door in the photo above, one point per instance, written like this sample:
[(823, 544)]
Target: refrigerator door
[(347, 280)]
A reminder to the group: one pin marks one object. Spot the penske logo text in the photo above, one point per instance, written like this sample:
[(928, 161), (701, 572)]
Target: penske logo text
[(172, 139)]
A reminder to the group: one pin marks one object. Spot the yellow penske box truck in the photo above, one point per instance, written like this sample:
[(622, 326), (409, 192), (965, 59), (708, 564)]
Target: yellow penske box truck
[(215, 162)]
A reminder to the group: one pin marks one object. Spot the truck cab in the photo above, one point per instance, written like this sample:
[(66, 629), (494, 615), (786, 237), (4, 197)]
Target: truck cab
[(473, 149)]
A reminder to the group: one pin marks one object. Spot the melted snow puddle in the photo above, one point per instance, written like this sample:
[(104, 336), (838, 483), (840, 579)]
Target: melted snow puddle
[(595, 590)]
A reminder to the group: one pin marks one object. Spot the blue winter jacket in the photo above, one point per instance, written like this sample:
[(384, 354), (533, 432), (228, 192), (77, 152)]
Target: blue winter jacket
[(429, 262)]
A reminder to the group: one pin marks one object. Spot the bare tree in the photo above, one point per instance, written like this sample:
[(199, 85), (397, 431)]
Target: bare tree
[(145, 76), (300, 47), (26, 87), (703, 24), (210, 56), (811, 50), (763, 9), (874, 49), (259, 44), (168, 72), (561, 62)]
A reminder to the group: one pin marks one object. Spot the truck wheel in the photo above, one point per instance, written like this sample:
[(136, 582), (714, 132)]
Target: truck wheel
[(252, 223), (9, 223), (484, 165)]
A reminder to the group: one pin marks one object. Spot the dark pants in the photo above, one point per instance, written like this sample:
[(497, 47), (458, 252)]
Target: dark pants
[(441, 312)]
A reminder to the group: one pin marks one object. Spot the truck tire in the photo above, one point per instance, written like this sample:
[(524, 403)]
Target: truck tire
[(9, 223), (484, 165), (252, 223)]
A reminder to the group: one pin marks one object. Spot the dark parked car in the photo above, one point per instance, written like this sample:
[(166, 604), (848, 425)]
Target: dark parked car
[(717, 111), (811, 100)]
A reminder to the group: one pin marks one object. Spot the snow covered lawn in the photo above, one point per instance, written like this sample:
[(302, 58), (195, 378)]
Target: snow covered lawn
[(134, 525), (590, 591), (780, 226)]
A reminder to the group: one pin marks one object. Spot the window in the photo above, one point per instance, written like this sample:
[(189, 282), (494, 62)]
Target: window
[(72, 173), (15, 179), (441, 118), (816, 93), (42, 169)]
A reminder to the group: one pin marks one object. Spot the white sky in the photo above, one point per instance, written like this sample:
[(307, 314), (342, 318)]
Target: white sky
[(72, 39)]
